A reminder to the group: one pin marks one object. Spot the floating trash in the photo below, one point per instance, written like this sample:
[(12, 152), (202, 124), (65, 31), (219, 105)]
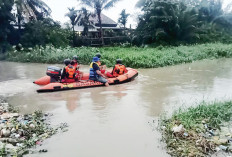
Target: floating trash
[(20, 132), (222, 147), (177, 129)]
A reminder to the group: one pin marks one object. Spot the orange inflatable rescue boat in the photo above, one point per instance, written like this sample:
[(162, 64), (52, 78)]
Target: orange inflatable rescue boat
[(51, 82)]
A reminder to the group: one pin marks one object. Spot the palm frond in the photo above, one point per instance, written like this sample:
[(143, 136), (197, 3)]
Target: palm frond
[(109, 4), (89, 3)]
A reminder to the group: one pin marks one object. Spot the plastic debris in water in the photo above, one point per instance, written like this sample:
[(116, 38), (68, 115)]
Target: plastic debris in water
[(223, 147), (177, 129), (43, 150), (211, 132), (185, 134)]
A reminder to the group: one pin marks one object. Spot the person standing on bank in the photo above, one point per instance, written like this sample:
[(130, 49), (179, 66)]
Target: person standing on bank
[(95, 73)]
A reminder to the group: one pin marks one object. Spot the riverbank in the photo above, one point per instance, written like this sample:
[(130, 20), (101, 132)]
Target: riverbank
[(18, 132), (199, 131), (133, 56)]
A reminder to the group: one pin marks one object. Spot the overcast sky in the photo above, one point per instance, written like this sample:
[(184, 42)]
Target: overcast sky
[(60, 8)]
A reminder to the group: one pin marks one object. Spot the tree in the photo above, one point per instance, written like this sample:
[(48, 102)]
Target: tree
[(43, 32), (74, 18), (84, 21), (167, 21), (190, 3), (123, 18), (210, 11), (30, 10), (6, 17), (141, 3), (99, 6)]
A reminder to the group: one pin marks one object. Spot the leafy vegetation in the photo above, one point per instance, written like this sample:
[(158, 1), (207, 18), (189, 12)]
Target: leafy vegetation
[(132, 56), (5, 17), (123, 18), (84, 21), (213, 114), (30, 10), (45, 32), (180, 21), (169, 22), (192, 131), (74, 18)]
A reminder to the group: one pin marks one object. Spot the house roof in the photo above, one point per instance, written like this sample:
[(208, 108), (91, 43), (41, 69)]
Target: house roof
[(105, 20), (107, 23)]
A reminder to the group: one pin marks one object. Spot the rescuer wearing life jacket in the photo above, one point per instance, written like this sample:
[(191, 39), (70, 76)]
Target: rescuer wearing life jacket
[(119, 68), (95, 73), (102, 67), (76, 66), (75, 62), (68, 73)]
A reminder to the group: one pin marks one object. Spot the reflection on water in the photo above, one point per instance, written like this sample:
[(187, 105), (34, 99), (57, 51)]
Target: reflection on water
[(186, 84), (118, 120)]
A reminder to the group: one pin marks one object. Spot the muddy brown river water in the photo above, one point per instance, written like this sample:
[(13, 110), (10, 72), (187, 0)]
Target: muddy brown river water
[(120, 120)]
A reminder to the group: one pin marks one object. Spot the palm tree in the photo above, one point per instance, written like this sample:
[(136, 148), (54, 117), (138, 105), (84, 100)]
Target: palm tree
[(123, 18), (169, 22), (30, 10), (99, 6), (74, 18), (191, 3), (140, 3), (84, 21)]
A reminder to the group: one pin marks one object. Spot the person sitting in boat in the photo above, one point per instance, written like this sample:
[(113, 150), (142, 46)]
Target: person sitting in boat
[(75, 62), (102, 67), (95, 73), (76, 66), (119, 68), (68, 73)]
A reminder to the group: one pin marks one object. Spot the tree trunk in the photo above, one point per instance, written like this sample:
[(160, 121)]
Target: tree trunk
[(73, 35), (125, 29), (19, 23), (100, 24)]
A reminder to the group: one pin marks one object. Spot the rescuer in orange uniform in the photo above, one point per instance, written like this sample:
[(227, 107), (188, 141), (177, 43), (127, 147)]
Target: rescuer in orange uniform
[(76, 65), (68, 73), (119, 68)]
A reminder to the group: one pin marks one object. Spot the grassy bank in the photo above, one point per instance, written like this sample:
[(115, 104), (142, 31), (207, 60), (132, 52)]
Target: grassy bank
[(133, 57), (199, 131)]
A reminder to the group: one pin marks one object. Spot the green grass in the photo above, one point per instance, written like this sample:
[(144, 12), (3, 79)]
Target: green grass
[(2, 56), (193, 120), (215, 114), (133, 57)]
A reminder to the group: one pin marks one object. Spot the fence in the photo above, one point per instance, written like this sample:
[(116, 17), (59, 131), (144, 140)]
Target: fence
[(108, 41)]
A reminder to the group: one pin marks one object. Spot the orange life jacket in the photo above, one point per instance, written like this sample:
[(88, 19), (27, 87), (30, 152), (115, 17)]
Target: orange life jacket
[(70, 71), (119, 69), (75, 65)]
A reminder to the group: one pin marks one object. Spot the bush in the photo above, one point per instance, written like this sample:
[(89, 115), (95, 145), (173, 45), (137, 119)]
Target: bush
[(45, 32), (132, 57)]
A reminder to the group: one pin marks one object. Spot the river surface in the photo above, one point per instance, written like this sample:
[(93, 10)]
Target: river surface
[(120, 120)]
